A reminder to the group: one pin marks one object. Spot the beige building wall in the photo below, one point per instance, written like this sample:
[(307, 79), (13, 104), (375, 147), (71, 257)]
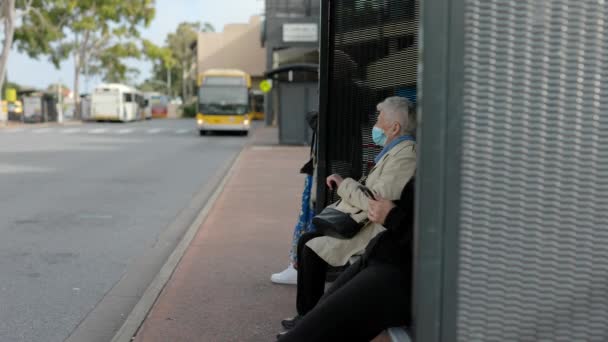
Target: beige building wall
[(238, 47)]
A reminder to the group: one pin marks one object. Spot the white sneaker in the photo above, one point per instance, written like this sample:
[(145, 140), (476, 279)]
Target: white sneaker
[(289, 276)]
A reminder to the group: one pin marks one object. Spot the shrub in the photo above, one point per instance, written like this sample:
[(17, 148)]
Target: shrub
[(189, 110)]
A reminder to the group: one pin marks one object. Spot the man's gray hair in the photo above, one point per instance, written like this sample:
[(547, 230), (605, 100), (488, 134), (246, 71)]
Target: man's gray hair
[(400, 109)]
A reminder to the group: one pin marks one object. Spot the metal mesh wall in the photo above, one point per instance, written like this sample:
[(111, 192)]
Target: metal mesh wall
[(534, 208), (291, 8), (372, 55)]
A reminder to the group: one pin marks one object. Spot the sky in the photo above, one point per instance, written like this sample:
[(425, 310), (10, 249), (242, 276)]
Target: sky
[(169, 13)]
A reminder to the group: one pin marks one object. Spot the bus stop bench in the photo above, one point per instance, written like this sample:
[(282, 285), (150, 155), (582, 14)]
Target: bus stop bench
[(398, 334), (393, 334)]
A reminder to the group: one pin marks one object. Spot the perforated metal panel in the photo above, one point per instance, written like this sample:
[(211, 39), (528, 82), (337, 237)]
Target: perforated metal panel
[(534, 194)]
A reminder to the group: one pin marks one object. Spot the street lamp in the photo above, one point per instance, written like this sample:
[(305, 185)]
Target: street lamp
[(59, 102)]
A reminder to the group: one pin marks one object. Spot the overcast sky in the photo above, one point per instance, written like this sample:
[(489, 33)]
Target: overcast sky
[(169, 13)]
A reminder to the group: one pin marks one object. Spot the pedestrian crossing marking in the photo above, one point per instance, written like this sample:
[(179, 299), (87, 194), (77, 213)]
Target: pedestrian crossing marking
[(70, 130), (41, 130), (98, 131)]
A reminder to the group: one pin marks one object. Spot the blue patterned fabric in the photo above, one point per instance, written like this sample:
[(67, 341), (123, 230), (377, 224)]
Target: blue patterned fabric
[(304, 224)]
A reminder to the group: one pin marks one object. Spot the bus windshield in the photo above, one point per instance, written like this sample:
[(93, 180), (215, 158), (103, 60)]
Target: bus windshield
[(224, 81), (223, 100)]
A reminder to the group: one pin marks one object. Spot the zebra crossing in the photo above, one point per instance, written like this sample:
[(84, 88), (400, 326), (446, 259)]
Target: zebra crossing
[(98, 131)]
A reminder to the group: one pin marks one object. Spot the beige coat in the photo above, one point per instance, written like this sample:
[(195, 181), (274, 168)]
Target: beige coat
[(387, 178)]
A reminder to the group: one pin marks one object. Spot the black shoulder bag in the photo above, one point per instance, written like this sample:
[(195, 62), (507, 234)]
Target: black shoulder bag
[(335, 223)]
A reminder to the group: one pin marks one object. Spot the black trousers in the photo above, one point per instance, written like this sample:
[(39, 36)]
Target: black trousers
[(366, 299), (311, 275)]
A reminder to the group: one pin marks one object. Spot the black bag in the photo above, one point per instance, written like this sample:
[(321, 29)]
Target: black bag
[(332, 222)]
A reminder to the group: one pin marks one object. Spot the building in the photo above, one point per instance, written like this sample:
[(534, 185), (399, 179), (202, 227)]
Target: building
[(291, 37), (236, 47), (509, 240)]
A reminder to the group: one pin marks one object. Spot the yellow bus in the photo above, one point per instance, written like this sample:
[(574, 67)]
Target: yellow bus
[(223, 101), (257, 105)]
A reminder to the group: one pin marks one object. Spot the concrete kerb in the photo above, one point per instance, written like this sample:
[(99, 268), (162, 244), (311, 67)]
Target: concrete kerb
[(141, 310)]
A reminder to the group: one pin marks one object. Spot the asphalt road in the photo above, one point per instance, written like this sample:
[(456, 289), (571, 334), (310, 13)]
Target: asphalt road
[(78, 204)]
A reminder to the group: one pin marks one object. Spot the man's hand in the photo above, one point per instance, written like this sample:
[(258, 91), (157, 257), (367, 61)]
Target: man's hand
[(379, 209), (333, 182)]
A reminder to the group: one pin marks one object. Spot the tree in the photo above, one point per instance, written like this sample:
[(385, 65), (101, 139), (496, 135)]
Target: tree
[(13, 85), (153, 85), (56, 87), (13, 13), (109, 62), (170, 74), (100, 35), (8, 14), (176, 61), (179, 43), (163, 57)]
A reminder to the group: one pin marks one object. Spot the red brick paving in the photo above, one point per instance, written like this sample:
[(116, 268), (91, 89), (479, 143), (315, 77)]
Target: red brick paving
[(221, 289)]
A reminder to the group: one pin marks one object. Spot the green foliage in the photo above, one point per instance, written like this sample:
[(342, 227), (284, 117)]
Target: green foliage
[(41, 27), (13, 85), (176, 56), (153, 85), (159, 54), (180, 41), (100, 33), (109, 62), (189, 111)]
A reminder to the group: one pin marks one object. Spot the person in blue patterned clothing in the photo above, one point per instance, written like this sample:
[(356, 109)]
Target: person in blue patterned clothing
[(289, 276)]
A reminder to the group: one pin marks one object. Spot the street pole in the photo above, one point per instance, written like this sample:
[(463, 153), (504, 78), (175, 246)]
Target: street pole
[(59, 102), (169, 82), (2, 113), (86, 78)]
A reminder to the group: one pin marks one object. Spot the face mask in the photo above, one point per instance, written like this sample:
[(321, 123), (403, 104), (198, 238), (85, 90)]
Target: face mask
[(378, 136)]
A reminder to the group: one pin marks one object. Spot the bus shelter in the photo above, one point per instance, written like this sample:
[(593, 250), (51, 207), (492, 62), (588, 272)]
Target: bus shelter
[(512, 155)]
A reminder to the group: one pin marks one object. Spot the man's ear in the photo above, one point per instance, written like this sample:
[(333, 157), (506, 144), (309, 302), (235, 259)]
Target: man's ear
[(396, 128)]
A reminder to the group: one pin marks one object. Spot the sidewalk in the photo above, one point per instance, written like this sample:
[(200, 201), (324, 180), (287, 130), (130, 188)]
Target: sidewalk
[(221, 289)]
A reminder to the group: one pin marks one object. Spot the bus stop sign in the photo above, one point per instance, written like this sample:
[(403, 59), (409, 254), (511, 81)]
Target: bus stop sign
[(265, 86)]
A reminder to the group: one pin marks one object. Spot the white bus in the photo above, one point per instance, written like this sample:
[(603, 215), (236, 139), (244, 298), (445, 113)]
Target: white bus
[(117, 102)]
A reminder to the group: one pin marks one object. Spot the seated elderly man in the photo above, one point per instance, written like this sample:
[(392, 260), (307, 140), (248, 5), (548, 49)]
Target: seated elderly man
[(375, 292), (395, 165)]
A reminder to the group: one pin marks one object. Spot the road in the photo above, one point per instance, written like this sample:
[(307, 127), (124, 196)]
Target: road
[(80, 204)]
